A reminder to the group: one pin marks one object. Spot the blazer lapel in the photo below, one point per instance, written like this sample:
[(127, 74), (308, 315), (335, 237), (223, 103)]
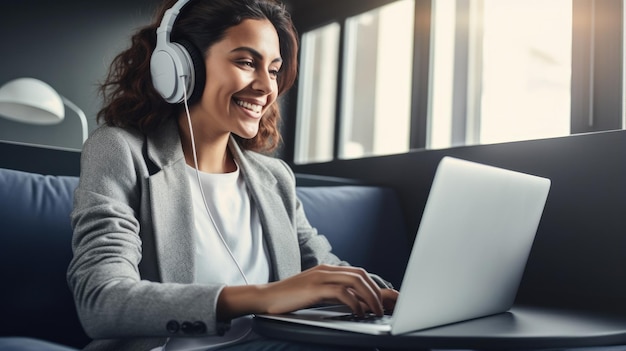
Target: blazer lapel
[(172, 209), (278, 229)]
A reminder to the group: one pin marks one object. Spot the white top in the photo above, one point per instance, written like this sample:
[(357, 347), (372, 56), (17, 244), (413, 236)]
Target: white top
[(239, 224), (238, 221)]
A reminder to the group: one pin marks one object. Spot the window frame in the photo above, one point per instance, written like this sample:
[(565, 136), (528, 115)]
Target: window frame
[(596, 74), (597, 67)]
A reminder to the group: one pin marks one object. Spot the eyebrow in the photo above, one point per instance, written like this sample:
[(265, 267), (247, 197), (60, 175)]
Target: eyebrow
[(255, 53)]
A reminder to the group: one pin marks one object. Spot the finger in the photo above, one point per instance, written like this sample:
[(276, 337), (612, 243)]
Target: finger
[(359, 288), (365, 307), (388, 306), (390, 296), (365, 289), (344, 296), (355, 270)]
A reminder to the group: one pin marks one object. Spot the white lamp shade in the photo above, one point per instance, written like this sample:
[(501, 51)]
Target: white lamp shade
[(30, 100)]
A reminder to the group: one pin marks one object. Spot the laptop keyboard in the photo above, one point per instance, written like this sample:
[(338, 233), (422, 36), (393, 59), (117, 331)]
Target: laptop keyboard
[(368, 318)]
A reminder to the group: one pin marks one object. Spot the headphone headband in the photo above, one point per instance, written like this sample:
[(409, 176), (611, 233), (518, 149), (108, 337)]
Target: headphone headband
[(171, 61), (165, 28)]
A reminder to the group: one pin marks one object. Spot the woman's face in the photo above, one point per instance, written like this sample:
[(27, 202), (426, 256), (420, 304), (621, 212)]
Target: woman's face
[(241, 85)]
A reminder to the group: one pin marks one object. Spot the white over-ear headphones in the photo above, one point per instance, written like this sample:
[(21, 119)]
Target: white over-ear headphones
[(178, 74), (170, 61)]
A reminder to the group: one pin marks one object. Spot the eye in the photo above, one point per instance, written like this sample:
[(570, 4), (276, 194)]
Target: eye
[(274, 73), (246, 63), (275, 70)]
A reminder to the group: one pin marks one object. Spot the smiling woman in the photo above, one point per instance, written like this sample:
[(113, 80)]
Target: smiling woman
[(241, 85), (183, 229)]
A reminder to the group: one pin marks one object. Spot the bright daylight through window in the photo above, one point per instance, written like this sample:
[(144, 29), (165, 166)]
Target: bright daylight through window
[(503, 74), (317, 95), (376, 90), (376, 103), (500, 70)]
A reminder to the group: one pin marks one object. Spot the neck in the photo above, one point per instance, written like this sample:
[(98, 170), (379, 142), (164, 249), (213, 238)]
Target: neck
[(212, 152)]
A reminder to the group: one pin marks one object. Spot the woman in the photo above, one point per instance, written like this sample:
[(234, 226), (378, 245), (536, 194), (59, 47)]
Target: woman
[(182, 228)]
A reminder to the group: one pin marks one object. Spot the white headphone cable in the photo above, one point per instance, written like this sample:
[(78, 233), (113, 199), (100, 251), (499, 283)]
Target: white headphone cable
[(195, 161)]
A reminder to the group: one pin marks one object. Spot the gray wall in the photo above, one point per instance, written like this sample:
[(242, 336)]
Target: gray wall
[(69, 45)]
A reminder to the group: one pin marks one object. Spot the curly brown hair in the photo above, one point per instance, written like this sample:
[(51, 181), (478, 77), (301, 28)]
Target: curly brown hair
[(130, 99)]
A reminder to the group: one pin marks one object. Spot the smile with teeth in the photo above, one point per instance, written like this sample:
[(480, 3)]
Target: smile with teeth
[(249, 106)]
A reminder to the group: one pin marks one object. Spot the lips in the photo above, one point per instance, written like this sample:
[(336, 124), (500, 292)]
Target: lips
[(249, 106)]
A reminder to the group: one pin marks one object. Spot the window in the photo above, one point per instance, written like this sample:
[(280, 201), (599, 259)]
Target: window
[(497, 78), (315, 129), (414, 74), (376, 103)]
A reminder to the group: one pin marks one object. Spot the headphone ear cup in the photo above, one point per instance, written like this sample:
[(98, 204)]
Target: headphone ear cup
[(167, 64), (199, 71), (171, 61)]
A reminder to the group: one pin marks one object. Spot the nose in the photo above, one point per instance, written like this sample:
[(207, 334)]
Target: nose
[(264, 82)]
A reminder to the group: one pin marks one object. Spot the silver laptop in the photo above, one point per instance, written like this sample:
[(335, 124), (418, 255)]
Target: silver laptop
[(468, 257)]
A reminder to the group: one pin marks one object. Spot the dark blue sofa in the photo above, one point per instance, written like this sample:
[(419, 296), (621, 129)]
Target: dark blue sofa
[(364, 224), (578, 257)]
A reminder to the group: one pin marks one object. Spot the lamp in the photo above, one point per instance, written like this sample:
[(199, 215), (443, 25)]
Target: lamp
[(32, 101)]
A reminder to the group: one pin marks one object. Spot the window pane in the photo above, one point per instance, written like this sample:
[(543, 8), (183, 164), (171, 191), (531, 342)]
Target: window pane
[(376, 103), (441, 93), (317, 94), (516, 66), (526, 69)]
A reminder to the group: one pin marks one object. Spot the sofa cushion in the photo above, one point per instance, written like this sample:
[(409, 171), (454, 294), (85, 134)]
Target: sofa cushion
[(364, 225), (30, 344), (35, 250)]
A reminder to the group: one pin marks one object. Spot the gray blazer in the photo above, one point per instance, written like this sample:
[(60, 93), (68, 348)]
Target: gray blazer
[(132, 271)]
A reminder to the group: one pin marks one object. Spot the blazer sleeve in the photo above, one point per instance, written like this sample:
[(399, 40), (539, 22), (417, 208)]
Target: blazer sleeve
[(314, 247), (112, 299)]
